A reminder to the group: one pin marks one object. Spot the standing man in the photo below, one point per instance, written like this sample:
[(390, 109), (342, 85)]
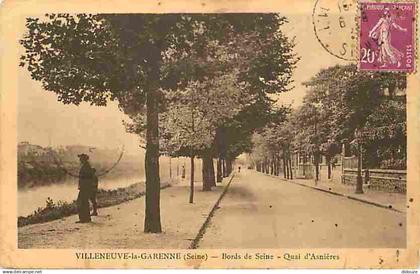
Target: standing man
[(85, 189), (183, 172)]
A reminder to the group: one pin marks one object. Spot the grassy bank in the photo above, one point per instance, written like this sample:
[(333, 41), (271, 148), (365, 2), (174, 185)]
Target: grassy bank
[(59, 209)]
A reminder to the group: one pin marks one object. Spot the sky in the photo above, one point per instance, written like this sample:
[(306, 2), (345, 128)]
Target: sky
[(44, 121)]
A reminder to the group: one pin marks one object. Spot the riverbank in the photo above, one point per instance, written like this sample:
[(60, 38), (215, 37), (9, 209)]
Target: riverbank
[(55, 210), (121, 226)]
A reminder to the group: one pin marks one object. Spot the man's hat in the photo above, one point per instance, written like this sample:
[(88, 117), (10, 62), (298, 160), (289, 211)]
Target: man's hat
[(83, 156)]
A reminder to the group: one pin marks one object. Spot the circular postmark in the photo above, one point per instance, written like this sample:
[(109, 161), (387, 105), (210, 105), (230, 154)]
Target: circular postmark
[(334, 23)]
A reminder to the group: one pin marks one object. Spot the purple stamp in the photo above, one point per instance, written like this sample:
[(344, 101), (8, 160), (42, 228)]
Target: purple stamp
[(387, 39)]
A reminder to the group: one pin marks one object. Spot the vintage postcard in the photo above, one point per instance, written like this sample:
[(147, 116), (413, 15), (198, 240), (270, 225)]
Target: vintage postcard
[(209, 134)]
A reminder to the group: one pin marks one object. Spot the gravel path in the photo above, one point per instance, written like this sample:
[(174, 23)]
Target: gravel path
[(121, 226)]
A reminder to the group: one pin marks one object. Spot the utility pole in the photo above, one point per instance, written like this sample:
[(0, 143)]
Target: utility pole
[(316, 154), (359, 180)]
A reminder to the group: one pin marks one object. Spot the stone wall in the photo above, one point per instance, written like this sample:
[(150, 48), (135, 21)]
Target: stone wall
[(378, 179)]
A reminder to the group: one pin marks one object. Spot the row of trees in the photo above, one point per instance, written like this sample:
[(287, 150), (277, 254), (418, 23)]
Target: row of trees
[(193, 85), (341, 100)]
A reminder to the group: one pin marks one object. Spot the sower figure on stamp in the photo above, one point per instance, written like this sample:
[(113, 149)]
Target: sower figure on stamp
[(85, 189), (93, 192), (381, 32)]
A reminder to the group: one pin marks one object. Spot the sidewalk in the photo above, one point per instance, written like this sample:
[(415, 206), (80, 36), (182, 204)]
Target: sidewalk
[(121, 226), (392, 201)]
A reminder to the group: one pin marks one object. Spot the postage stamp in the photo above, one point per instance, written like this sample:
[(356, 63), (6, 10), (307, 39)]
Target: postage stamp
[(387, 36)]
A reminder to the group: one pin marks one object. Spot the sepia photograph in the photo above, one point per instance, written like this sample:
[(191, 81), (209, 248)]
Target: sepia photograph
[(223, 131)]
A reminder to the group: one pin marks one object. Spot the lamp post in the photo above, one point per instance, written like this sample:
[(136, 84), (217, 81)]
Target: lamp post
[(359, 180)]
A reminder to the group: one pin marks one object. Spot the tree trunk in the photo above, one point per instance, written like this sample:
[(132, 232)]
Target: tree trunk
[(152, 202), (284, 166), (328, 160), (219, 170), (192, 180), (271, 167), (222, 166), (211, 173), (316, 166), (206, 171), (290, 167), (274, 166), (267, 166), (225, 171)]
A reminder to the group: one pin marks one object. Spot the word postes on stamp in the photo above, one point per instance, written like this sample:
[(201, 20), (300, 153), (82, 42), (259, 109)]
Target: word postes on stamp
[(387, 36)]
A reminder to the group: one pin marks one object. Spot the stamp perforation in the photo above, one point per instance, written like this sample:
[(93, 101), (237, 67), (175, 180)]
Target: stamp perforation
[(414, 34)]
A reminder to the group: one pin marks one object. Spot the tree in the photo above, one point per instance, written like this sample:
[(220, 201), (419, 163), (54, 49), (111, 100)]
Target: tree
[(385, 136), (97, 58), (262, 59), (132, 58), (347, 100), (193, 115), (347, 97), (273, 145), (187, 128), (339, 100)]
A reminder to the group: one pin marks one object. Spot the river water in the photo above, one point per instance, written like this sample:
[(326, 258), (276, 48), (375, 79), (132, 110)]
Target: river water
[(30, 199)]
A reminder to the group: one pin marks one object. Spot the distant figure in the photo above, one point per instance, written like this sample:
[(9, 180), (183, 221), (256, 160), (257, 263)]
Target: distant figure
[(183, 172), (367, 176), (85, 189), (239, 169), (93, 193)]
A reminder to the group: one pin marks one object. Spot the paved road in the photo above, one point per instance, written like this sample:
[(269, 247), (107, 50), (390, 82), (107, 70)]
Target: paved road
[(260, 211)]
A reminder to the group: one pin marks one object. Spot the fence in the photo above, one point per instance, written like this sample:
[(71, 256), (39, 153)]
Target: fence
[(378, 179), (349, 162)]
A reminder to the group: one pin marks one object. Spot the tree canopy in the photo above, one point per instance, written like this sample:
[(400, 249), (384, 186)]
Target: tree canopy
[(339, 101), (137, 58)]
